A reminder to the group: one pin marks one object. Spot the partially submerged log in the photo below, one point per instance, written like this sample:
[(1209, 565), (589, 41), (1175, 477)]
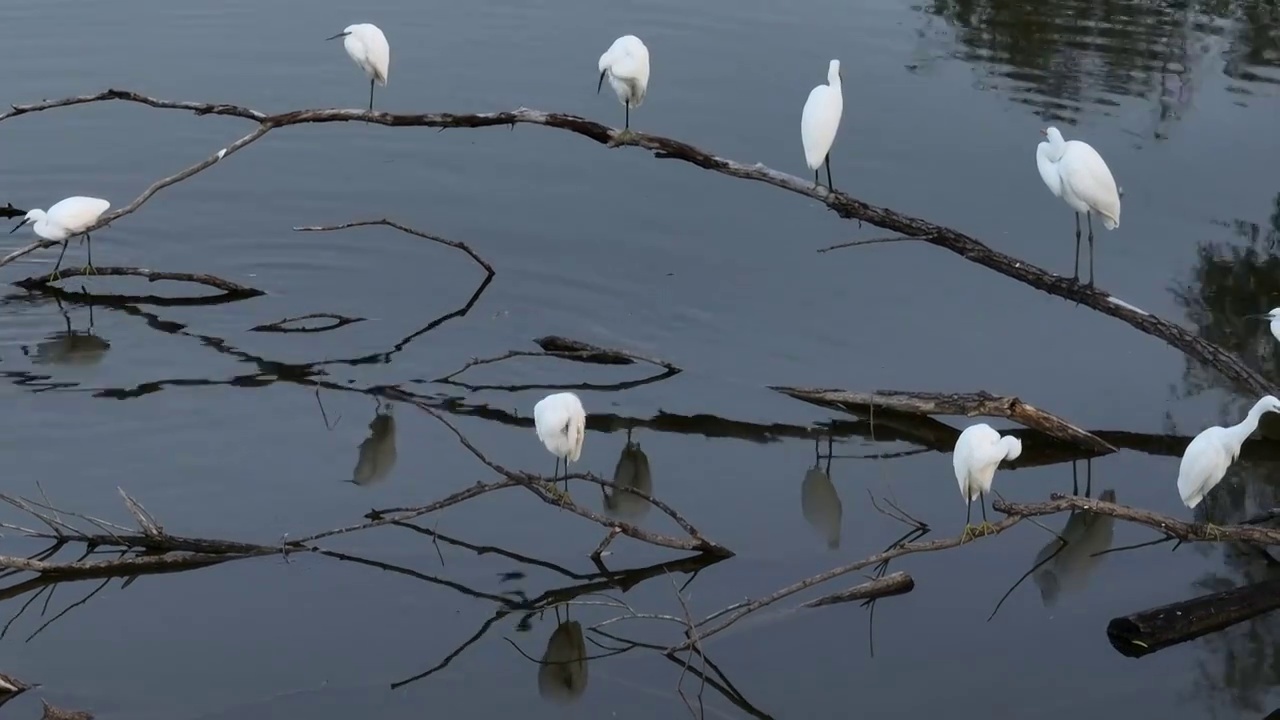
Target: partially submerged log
[(898, 583), (1153, 630), (966, 404)]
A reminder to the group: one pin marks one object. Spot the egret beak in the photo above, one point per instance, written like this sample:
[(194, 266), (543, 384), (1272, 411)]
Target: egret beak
[(1263, 316), (335, 37), (601, 83), (1044, 132), (15, 227)]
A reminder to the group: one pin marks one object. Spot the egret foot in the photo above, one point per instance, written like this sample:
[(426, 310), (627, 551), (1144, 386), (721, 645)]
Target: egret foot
[(970, 533), (620, 138), (557, 493), (90, 270), (987, 528), (54, 276), (1213, 531)]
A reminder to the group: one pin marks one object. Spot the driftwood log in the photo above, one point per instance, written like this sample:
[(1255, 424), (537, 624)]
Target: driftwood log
[(898, 583), (965, 404), (1153, 630)]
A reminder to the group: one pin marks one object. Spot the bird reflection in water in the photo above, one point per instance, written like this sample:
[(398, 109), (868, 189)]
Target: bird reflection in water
[(820, 502), (1068, 567), (69, 347), (562, 673), (632, 471), (378, 451)]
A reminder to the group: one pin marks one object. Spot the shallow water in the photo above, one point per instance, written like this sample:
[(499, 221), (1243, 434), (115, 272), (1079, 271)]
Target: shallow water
[(214, 430)]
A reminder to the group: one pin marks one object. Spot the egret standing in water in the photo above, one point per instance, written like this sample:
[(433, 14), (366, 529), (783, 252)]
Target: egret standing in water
[(1210, 453), (561, 424), (979, 450), (368, 47), (820, 120), (66, 219), (626, 65), (1075, 172), (1274, 317)]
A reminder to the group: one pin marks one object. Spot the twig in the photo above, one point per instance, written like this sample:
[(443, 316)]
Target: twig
[(876, 241), (281, 326), (405, 229), (1170, 526)]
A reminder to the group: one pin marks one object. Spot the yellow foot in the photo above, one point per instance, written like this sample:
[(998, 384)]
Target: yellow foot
[(973, 532), (1213, 531), (54, 276), (619, 138), (557, 493), (90, 270)]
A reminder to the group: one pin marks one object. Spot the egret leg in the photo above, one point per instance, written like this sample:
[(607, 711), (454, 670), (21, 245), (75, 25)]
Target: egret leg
[(626, 118), (88, 239), (970, 532), (1089, 216), (54, 275), (816, 182), (1088, 483), (1076, 274), (1075, 482), (370, 95), (829, 185), (985, 528)]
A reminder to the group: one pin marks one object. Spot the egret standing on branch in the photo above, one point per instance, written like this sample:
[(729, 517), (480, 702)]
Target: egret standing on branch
[(1075, 172), (561, 424), (979, 450), (66, 219), (1210, 453), (626, 65), (820, 120), (368, 47)]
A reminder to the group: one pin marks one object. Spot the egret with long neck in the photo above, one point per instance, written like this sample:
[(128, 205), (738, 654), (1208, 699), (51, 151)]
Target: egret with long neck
[(1075, 172), (979, 451), (1210, 453)]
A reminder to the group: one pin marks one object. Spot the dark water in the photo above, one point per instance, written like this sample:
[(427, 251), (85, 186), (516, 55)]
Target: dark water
[(198, 419)]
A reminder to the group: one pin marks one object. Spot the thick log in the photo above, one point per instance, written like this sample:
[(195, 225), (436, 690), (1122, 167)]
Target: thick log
[(1153, 630)]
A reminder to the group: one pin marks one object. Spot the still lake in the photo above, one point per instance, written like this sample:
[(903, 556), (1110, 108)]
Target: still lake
[(201, 421)]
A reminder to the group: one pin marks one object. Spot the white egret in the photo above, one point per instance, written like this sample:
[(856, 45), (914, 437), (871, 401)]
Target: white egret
[(978, 452), (1274, 317), (1067, 567), (632, 471), (820, 505), (1210, 453), (66, 219), (1075, 172), (367, 46), (377, 453), (561, 425), (820, 120), (626, 65)]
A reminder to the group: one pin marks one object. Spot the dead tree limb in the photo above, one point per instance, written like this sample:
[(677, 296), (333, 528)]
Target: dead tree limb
[(1153, 630), (898, 583), (966, 404), (1173, 527), (405, 229), (230, 290), (563, 348), (1222, 361), (283, 325)]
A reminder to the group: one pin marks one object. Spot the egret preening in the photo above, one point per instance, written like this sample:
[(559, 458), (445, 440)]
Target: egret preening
[(1274, 317), (820, 120), (561, 424), (1075, 172), (368, 47), (978, 452), (1210, 453), (626, 65), (66, 219)]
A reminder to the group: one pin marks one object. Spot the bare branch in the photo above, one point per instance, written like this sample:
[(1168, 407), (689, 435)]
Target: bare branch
[(282, 326), (898, 583), (406, 229), (229, 288)]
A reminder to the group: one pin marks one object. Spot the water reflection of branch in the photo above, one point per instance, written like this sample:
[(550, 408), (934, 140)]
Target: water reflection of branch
[(231, 291), (567, 349)]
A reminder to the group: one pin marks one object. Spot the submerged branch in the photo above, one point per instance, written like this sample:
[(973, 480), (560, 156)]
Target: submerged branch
[(230, 290)]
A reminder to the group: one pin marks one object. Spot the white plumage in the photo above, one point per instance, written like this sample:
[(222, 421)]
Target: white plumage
[(978, 452), (820, 120), (561, 425), (66, 219), (367, 46), (1274, 317), (1210, 453), (1075, 172), (626, 66)]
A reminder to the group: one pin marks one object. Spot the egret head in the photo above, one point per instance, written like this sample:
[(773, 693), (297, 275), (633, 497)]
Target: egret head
[(1273, 314), (1051, 132), (31, 216), (347, 31), (1013, 447), (1269, 404), (833, 72)]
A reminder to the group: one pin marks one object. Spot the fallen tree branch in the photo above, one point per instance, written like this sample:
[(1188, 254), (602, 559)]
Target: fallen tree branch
[(230, 290), (282, 325), (563, 348), (1153, 630), (1222, 361), (1163, 523), (898, 583), (405, 229), (966, 404)]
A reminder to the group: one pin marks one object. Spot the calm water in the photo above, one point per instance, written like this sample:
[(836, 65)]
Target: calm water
[(182, 408)]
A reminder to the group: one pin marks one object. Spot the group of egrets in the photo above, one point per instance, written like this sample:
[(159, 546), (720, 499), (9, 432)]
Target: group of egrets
[(980, 449)]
